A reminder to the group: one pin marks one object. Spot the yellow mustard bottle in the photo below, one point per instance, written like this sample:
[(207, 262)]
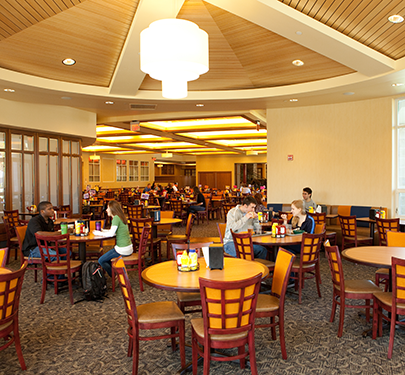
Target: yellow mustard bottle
[(185, 261)]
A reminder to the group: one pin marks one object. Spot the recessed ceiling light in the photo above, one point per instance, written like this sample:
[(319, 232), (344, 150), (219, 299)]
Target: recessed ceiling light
[(298, 63), (109, 102), (348, 93), (396, 18), (69, 62), (9, 90), (298, 32), (397, 84), (293, 100), (66, 98), (199, 105)]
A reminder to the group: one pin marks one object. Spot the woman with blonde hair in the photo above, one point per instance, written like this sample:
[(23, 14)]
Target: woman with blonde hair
[(119, 228)]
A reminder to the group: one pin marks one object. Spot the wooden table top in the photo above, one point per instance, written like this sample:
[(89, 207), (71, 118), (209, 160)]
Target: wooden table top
[(90, 237), (68, 220), (332, 216), (374, 256), (166, 276), (365, 219), (268, 240), (205, 239), (151, 207), (167, 220)]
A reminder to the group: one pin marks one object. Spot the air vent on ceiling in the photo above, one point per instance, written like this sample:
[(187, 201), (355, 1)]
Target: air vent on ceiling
[(142, 107)]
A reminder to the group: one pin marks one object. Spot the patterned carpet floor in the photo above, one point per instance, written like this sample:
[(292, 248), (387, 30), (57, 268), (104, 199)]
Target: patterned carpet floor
[(90, 337)]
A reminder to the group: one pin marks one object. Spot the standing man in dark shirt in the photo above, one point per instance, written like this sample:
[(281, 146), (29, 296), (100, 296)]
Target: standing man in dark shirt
[(39, 223)]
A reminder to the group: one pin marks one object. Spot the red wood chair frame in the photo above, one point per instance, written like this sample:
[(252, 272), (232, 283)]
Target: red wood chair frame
[(177, 327), (340, 294), (384, 225), (228, 309), (3, 257), (203, 214), (320, 218), (10, 291), (307, 266), (135, 211), (180, 238), (11, 220), (136, 260), (348, 225), (227, 207), (393, 303), (62, 264), (272, 306)]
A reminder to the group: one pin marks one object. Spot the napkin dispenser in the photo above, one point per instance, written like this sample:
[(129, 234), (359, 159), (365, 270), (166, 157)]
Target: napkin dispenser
[(372, 213), (155, 214), (216, 256)]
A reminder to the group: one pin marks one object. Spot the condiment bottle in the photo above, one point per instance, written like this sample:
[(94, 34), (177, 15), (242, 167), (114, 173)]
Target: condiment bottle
[(283, 230), (274, 230), (193, 260), (77, 228), (185, 261)]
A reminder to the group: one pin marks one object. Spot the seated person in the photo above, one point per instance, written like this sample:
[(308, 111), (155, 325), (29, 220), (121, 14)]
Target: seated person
[(40, 223), (244, 189), (200, 206), (300, 220), (259, 203), (240, 219), (307, 199), (147, 188)]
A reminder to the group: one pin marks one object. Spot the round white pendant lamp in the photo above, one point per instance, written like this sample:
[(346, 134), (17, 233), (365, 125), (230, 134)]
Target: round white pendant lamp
[(174, 51)]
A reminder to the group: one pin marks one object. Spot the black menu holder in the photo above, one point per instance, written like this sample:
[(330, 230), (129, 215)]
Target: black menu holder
[(216, 260), (372, 213)]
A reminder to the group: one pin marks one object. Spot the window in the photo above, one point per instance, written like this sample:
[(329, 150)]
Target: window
[(144, 171), (399, 151), (133, 170), (121, 170), (189, 172), (94, 170), (168, 169)]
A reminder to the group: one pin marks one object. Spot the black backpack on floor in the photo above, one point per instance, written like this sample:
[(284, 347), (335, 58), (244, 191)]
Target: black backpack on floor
[(94, 282)]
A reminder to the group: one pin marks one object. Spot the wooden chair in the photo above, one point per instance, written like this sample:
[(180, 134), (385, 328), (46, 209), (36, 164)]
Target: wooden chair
[(149, 316), (203, 214), (384, 225), (35, 262), (288, 214), (307, 265), (62, 264), (392, 302), (228, 321), (165, 230), (227, 207), (272, 306), (221, 231), (94, 250), (177, 207), (10, 291), (180, 238), (187, 299), (3, 257), (244, 249), (347, 289), (65, 211), (135, 212), (320, 218), (136, 260), (348, 225), (136, 228), (392, 239), (11, 220)]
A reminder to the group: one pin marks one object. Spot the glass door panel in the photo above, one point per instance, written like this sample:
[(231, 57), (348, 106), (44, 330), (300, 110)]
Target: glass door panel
[(54, 179), (16, 181), (29, 187), (43, 178), (76, 189), (66, 179)]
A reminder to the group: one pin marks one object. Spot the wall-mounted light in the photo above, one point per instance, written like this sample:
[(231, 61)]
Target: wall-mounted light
[(160, 165), (94, 157), (167, 155)]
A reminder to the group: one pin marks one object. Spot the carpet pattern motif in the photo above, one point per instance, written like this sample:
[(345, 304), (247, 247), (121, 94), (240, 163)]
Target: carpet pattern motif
[(90, 337)]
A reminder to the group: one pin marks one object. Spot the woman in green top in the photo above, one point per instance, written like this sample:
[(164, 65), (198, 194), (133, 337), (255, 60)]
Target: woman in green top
[(119, 228)]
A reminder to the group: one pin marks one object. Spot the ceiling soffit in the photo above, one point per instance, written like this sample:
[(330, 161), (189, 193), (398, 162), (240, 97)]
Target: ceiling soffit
[(92, 32), (365, 21)]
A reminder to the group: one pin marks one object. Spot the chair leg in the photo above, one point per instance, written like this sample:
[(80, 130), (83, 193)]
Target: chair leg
[(282, 336), (367, 311), (273, 328), (242, 361), (113, 279), (341, 317), (252, 353), (70, 287), (194, 346), (207, 360), (318, 280), (182, 343), (392, 334), (135, 355), (17, 344), (300, 281), (334, 304), (43, 287), (140, 276), (375, 319)]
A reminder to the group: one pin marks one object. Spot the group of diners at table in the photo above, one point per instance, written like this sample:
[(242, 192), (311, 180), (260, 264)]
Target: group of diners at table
[(296, 258)]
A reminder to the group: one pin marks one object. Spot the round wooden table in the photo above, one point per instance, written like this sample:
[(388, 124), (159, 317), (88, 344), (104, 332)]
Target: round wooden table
[(268, 240), (82, 240), (373, 256), (166, 276)]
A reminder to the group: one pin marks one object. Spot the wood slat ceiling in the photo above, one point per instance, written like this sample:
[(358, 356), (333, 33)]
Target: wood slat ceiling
[(244, 55), (366, 21), (35, 37)]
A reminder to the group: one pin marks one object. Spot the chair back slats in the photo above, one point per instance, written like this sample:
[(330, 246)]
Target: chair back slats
[(310, 246), (395, 239), (48, 244), (177, 207), (320, 228), (135, 212), (243, 245), (282, 270), (20, 232), (319, 218), (398, 281), (348, 225), (384, 225), (229, 306), (3, 256), (10, 290), (143, 241), (12, 218), (335, 266), (136, 228)]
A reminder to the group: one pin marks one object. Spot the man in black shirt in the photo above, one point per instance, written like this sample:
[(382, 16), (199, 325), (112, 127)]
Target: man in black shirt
[(38, 223)]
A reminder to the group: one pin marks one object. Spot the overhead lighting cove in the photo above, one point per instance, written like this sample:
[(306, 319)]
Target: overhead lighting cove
[(174, 51)]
